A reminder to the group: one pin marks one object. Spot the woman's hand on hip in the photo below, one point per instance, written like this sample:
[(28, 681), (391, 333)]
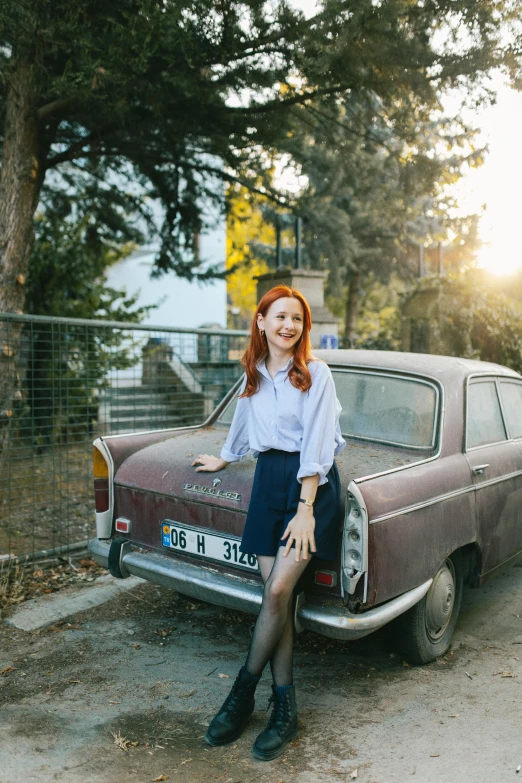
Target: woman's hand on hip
[(209, 464), (301, 530)]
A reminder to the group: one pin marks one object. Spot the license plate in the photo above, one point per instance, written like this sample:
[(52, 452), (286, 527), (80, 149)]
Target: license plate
[(211, 546)]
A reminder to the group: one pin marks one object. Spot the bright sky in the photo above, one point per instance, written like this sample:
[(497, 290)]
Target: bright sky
[(497, 184)]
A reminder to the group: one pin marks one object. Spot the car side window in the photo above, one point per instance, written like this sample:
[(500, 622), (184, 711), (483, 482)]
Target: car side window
[(511, 393), (484, 420)]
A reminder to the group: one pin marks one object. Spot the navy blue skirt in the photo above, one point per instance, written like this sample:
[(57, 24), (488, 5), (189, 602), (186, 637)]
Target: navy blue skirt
[(274, 502)]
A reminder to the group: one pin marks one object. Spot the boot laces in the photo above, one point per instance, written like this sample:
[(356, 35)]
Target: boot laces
[(280, 712), (233, 701)]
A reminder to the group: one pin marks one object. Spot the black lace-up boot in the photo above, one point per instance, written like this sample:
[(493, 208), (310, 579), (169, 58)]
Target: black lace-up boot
[(232, 718), (282, 726)]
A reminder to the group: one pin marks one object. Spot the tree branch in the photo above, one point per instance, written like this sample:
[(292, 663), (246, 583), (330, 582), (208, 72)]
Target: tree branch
[(71, 153), (266, 193), (54, 107), (276, 104)]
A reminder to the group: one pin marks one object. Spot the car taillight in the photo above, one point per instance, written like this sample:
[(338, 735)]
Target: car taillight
[(101, 482), (326, 578), (122, 525), (355, 541)]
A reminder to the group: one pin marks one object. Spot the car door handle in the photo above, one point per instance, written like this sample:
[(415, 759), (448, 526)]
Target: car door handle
[(478, 470)]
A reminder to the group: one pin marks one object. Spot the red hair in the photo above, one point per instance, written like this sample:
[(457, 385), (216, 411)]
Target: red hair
[(299, 374)]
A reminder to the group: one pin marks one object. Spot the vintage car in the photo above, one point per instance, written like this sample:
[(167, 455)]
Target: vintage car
[(433, 477)]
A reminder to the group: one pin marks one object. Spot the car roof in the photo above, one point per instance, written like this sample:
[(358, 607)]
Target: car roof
[(444, 367)]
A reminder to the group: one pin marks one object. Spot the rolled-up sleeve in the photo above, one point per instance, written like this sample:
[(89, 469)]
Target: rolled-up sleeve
[(237, 444), (320, 417)]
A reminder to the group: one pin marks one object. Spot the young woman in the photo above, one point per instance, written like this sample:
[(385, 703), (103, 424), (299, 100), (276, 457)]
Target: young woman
[(288, 415)]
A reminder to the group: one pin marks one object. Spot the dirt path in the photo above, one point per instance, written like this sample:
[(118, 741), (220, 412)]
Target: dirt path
[(124, 692)]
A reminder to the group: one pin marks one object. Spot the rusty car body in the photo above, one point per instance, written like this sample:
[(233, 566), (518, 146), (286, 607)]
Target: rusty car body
[(433, 478)]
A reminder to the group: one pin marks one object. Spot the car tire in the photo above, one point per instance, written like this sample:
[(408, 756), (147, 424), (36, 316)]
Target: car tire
[(424, 632)]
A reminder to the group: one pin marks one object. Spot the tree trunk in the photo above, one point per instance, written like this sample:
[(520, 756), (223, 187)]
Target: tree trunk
[(352, 306), (20, 183)]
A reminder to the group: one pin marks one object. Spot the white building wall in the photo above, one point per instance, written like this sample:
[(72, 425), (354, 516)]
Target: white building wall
[(180, 302)]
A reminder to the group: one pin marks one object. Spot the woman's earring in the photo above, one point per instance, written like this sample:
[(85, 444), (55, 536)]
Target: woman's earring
[(262, 332)]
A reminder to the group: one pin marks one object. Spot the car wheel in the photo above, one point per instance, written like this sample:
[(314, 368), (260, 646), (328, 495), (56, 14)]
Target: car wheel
[(424, 632)]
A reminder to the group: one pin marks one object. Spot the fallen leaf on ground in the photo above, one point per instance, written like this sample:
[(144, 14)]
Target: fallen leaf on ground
[(160, 777), (224, 676), (136, 646), (163, 632), (8, 669), (354, 774), (122, 742), (434, 755), (453, 716), (186, 761)]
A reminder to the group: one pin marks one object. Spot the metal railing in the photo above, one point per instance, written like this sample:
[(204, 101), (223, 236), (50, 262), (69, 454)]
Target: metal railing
[(79, 379)]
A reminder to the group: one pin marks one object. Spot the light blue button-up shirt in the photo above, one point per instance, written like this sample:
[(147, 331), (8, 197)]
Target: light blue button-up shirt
[(279, 416)]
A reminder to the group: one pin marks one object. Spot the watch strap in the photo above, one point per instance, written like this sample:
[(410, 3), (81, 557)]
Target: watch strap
[(307, 501)]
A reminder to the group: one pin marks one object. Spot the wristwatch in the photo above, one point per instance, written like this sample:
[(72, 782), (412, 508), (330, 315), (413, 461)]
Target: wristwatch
[(307, 501)]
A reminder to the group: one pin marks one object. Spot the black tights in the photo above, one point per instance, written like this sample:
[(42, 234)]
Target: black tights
[(273, 633)]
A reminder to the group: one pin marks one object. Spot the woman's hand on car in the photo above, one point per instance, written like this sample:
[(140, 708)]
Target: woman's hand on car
[(301, 530), (209, 464)]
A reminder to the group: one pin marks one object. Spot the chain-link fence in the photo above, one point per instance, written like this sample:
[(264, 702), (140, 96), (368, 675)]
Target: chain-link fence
[(77, 379)]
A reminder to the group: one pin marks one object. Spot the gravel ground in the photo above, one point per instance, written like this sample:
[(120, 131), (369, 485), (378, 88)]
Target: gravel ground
[(125, 691)]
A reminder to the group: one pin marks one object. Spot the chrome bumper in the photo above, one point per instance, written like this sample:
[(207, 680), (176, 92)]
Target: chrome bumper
[(207, 584)]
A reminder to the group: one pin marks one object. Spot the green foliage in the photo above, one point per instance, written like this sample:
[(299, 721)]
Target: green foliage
[(77, 239), (378, 322), (469, 318), (246, 232), (68, 363), (177, 97), (374, 196)]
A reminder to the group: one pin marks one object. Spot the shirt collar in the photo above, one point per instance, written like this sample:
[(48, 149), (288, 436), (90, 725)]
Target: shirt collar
[(261, 367)]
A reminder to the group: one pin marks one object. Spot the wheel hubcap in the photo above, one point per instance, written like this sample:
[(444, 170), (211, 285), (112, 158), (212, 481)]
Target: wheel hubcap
[(440, 600)]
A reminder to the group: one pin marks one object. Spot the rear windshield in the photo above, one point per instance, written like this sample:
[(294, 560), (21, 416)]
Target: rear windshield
[(387, 408), (381, 408)]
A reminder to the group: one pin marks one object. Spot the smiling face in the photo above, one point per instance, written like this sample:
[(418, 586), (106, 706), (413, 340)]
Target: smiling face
[(282, 325)]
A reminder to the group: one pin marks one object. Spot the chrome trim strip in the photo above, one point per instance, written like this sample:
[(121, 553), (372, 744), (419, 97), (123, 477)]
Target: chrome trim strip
[(246, 594), (424, 504), (447, 496), (502, 412), (397, 469), (497, 480)]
